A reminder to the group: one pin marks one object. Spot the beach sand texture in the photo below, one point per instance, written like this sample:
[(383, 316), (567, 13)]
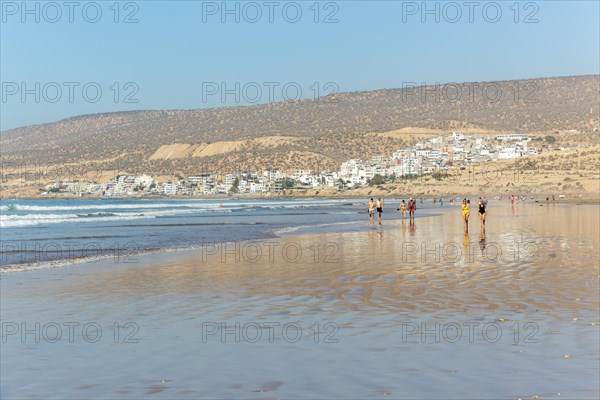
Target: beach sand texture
[(533, 279)]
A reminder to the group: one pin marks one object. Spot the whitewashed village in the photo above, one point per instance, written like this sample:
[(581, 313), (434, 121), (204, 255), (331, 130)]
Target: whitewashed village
[(441, 153)]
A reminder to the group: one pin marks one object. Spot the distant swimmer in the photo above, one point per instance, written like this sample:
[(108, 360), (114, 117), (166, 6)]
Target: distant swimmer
[(379, 206), (371, 209), (481, 212), (466, 213)]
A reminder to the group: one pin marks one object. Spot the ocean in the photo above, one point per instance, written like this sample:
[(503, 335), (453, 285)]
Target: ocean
[(49, 233)]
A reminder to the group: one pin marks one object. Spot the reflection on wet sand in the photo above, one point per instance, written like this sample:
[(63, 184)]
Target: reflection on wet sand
[(482, 239), (523, 264), (532, 264)]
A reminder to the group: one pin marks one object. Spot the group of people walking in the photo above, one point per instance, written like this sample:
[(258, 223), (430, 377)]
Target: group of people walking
[(412, 206), (377, 206), (482, 205)]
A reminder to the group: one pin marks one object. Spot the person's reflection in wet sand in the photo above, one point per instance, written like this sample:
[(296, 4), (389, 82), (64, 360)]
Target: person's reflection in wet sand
[(372, 236), (411, 227), (403, 230), (375, 235), (482, 239)]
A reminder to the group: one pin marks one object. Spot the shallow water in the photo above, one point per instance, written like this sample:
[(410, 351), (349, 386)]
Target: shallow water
[(396, 310), (46, 233)]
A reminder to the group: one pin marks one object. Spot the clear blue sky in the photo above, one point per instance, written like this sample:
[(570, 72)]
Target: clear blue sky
[(177, 48)]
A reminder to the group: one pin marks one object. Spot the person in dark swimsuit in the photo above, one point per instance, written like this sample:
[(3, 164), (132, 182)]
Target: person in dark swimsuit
[(482, 212)]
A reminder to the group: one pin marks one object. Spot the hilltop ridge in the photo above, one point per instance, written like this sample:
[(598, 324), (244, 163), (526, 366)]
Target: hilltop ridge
[(315, 134)]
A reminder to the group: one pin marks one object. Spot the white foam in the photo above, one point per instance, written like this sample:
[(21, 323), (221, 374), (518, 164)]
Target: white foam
[(70, 262), (291, 229), (139, 210), (18, 207), (16, 220)]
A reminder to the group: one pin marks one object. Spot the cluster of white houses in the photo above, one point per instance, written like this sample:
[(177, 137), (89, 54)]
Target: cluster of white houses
[(429, 156), (438, 153), (200, 185)]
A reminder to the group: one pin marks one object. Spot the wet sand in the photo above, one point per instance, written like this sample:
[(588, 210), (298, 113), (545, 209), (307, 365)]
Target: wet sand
[(396, 310)]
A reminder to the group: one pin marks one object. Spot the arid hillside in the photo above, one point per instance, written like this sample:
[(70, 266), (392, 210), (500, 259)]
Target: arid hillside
[(315, 134)]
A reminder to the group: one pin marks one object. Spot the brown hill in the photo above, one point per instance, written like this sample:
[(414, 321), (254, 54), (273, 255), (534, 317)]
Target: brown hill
[(316, 134)]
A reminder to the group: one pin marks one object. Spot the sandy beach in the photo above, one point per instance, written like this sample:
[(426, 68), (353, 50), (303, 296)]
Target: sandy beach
[(396, 310), (202, 200)]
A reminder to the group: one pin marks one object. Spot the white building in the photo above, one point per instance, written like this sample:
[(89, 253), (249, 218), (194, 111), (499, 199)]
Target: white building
[(350, 168), (169, 188), (230, 179), (406, 166), (379, 160), (257, 187), (513, 136), (143, 180), (507, 153), (458, 136), (358, 180)]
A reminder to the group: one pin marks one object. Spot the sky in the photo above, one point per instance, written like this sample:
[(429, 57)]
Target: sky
[(67, 58)]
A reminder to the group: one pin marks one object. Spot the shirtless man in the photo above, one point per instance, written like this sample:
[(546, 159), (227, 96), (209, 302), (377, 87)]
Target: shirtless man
[(379, 206), (371, 209)]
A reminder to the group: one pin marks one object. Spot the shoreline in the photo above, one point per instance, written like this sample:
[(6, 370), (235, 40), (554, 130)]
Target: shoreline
[(146, 255), (277, 234), (586, 198)]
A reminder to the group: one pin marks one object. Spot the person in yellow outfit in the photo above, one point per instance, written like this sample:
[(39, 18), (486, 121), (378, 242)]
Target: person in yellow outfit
[(403, 209), (466, 212)]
